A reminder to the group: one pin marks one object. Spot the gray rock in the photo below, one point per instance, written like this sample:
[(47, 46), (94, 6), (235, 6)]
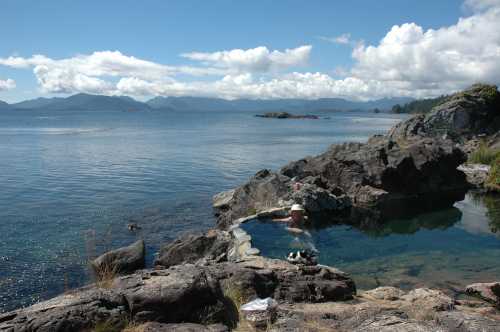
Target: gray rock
[(191, 248), (120, 261), (263, 191), (384, 293), (183, 293), (286, 115), (182, 327), (77, 311), (477, 174), (489, 292), (262, 277), (462, 321), (381, 175), (464, 115)]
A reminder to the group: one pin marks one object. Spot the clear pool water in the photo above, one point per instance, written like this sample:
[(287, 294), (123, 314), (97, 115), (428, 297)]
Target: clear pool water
[(447, 249)]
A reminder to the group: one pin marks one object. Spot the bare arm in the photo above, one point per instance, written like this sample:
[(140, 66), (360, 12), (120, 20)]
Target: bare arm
[(287, 219)]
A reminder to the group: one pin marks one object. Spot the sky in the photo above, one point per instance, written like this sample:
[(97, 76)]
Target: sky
[(259, 49)]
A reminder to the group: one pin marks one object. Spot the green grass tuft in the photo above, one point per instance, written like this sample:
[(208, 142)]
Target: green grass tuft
[(493, 182), (484, 155)]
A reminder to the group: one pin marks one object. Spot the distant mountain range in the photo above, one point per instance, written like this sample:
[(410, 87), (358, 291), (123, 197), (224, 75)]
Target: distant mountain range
[(87, 102)]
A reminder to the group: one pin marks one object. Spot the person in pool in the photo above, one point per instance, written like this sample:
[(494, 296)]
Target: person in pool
[(295, 220)]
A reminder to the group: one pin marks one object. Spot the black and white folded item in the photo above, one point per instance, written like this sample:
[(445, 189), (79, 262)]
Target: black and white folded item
[(306, 257)]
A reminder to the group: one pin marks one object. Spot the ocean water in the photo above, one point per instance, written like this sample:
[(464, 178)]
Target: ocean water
[(71, 182)]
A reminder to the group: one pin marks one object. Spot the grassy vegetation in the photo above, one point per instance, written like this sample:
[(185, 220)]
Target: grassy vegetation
[(105, 275), (484, 155), (111, 326), (493, 182)]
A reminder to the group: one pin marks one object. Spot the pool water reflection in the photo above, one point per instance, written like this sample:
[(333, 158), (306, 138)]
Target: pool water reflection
[(446, 249)]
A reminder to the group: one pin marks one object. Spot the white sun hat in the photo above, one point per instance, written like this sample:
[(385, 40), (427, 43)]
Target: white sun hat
[(297, 207)]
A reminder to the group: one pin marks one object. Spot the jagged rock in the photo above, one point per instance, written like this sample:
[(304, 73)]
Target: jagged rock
[(264, 190), (463, 321), (489, 292), (380, 175), (428, 300), (318, 200), (77, 311), (182, 327), (477, 174), (262, 277), (121, 261), (475, 111), (386, 309), (191, 248), (181, 294), (384, 293)]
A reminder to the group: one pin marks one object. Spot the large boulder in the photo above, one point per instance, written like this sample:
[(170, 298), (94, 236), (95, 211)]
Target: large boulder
[(381, 175), (264, 190), (177, 295), (489, 292), (120, 261), (259, 277), (180, 294), (76, 311), (475, 111), (192, 248)]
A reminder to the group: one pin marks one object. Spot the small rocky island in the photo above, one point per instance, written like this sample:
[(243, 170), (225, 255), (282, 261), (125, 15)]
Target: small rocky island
[(200, 282), (286, 115)]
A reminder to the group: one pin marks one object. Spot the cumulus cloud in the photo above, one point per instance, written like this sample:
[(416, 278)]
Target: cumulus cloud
[(408, 61), (258, 59), (451, 57), (478, 5), (7, 84)]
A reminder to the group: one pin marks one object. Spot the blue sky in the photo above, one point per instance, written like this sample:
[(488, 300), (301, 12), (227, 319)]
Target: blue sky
[(159, 32)]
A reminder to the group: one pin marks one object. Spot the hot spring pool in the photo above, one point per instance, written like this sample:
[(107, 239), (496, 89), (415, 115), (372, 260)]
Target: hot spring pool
[(446, 249)]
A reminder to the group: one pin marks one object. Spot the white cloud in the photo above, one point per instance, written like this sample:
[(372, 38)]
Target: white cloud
[(344, 38), (408, 61), (7, 84), (450, 57), (258, 59), (479, 5)]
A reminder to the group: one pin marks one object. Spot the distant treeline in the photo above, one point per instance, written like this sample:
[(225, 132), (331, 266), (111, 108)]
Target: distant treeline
[(419, 106)]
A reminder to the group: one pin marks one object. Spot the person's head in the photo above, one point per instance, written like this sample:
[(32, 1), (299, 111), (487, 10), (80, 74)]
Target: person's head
[(297, 213)]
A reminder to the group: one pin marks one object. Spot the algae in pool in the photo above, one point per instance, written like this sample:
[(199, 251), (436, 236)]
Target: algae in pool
[(447, 249)]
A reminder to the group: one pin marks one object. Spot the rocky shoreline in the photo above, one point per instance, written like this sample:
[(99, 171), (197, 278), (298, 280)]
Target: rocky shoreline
[(200, 281)]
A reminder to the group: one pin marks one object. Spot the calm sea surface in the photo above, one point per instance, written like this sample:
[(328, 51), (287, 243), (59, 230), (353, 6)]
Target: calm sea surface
[(71, 182)]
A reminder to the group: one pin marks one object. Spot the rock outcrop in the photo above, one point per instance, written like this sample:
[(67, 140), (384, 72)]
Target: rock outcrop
[(181, 327), (286, 115), (381, 176), (464, 115), (389, 309), (182, 294), (489, 292), (120, 261), (192, 248), (415, 165)]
